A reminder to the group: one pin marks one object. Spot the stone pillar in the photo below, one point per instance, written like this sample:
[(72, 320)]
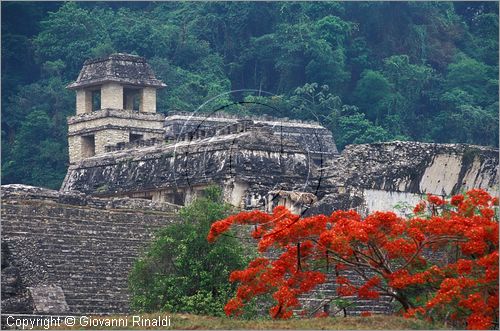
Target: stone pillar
[(112, 96), (148, 100), (75, 149), (83, 101)]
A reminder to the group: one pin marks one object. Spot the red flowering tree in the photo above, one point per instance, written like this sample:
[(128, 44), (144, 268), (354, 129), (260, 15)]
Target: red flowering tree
[(447, 253)]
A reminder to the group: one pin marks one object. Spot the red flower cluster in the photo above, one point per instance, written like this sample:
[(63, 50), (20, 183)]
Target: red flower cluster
[(399, 251), (366, 290), (435, 200)]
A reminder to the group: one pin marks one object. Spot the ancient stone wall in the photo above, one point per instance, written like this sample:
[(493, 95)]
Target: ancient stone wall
[(257, 159), (119, 118), (85, 246), (109, 137), (381, 175), (83, 102), (110, 127), (418, 167), (119, 78), (321, 296), (120, 68)]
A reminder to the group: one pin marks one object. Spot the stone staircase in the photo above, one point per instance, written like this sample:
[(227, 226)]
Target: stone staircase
[(86, 251), (324, 296)]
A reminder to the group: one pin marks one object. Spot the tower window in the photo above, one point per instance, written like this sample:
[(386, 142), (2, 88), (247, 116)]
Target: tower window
[(88, 146), (131, 99), (96, 100), (135, 137)]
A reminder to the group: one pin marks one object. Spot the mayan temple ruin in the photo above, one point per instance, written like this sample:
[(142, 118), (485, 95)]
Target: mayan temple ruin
[(132, 166)]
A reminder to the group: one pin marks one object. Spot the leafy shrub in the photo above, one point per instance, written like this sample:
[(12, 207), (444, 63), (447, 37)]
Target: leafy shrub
[(181, 271)]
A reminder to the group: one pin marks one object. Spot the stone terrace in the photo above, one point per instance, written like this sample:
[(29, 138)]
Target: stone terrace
[(84, 245)]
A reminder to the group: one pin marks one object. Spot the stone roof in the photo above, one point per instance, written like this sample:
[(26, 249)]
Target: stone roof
[(312, 136), (120, 68)]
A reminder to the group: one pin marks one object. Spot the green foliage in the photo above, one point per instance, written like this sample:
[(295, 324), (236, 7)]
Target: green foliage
[(181, 271), (372, 92), (475, 78), (69, 34), (28, 161), (38, 151), (357, 129), (315, 102), (424, 71), (348, 125), (190, 89)]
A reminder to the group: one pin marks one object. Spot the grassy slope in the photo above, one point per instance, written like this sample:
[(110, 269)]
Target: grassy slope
[(191, 322)]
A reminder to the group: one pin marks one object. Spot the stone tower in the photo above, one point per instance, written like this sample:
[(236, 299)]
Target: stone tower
[(115, 103)]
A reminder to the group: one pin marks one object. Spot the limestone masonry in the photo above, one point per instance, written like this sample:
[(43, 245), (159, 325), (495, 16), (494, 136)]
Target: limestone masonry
[(78, 244), (131, 168)]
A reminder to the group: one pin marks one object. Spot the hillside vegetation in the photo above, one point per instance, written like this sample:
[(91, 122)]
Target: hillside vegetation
[(369, 71)]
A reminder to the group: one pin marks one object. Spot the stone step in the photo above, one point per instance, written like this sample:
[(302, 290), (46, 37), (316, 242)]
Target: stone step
[(84, 296), (83, 293), (98, 308), (62, 235), (77, 217), (83, 224), (83, 252), (102, 299)]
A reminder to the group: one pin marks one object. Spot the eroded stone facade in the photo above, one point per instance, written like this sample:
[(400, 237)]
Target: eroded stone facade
[(248, 165), (380, 176)]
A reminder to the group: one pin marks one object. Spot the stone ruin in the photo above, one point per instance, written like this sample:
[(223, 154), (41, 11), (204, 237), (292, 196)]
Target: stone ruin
[(131, 168), (115, 102)]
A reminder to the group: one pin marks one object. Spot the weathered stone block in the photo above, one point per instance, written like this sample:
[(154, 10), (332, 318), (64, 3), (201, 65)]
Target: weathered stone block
[(48, 299), (83, 101)]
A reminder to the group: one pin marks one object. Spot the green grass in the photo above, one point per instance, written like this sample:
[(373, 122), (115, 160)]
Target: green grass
[(192, 322)]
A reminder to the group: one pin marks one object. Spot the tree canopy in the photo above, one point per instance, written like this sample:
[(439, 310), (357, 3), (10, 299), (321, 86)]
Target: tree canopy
[(440, 263), (425, 71)]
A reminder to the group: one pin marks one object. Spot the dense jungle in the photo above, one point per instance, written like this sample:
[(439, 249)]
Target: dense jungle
[(368, 71)]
